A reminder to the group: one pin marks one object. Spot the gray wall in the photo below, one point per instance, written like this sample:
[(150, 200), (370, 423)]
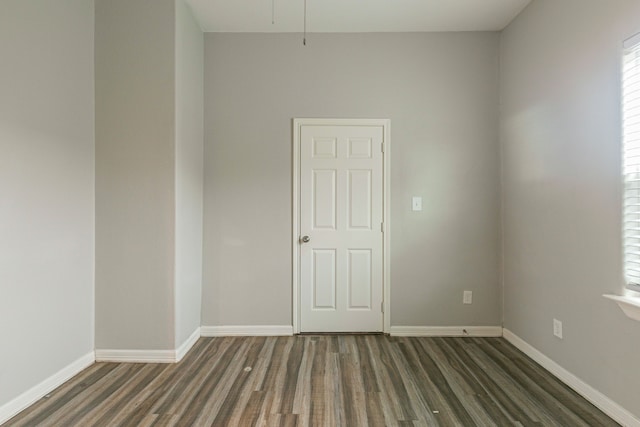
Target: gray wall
[(189, 174), (135, 156), (440, 91), (560, 90), (46, 189)]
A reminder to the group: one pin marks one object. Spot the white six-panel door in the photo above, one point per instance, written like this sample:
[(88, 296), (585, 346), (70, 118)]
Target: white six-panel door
[(340, 228)]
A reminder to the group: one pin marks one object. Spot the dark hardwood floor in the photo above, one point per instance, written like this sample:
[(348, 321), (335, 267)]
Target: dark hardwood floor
[(324, 380)]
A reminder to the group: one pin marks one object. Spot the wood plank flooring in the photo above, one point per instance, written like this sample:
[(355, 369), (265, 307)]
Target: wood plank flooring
[(323, 380)]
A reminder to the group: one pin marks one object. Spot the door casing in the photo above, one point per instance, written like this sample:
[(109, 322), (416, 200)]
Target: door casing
[(386, 200)]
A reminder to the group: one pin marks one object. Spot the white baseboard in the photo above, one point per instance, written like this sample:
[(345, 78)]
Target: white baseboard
[(446, 331), (186, 346), (149, 356), (136, 356), (35, 393), (258, 330), (605, 404)]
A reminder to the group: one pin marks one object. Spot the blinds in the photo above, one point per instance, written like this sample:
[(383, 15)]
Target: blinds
[(631, 161)]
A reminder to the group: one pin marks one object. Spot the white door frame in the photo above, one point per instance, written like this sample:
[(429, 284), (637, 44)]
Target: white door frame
[(386, 201)]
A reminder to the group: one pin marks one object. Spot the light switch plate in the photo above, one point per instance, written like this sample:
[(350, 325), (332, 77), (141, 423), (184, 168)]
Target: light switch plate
[(416, 203)]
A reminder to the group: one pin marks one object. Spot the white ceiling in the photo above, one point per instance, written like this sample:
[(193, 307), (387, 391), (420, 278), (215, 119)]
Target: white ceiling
[(329, 16)]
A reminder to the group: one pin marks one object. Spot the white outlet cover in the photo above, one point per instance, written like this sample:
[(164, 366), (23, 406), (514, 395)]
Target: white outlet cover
[(557, 328), (467, 297)]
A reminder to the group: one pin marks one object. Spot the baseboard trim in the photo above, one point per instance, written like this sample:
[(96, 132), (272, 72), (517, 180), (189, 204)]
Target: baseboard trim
[(149, 356), (446, 331), (136, 356), (243, 331), (13, 407), (186, 346), (605, 404)]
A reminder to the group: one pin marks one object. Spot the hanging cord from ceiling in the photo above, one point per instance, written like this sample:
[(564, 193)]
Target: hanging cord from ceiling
[(273, 12), (304, 36)]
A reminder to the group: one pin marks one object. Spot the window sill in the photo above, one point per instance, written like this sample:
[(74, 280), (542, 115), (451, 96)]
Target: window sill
[(630, 306)]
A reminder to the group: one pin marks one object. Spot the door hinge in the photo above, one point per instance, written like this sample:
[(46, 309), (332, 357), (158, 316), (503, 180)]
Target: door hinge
[(382, 227), (382, 306), (382, 147)]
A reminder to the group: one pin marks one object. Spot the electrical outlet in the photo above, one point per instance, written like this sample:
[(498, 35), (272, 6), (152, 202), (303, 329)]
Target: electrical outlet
[(467, 297), (557, 328)]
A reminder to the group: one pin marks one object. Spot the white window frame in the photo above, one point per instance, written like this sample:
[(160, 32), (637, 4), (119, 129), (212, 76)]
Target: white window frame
[(631, 161)]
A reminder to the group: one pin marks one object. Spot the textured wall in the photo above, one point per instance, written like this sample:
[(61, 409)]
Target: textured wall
[(561, 144), (440, 91), (135, 174), (189, 171), (46, 190)]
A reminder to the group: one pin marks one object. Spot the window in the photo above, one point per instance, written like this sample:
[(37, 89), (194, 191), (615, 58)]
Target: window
[(631, 160)]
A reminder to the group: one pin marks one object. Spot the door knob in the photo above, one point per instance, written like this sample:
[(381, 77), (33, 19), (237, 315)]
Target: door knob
[(305, 239)]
